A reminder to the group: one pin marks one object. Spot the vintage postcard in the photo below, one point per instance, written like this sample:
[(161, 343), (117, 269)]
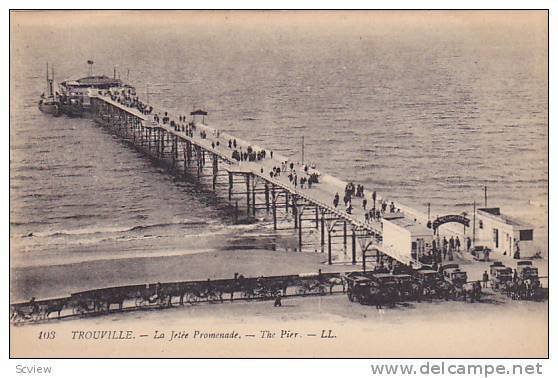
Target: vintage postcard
[(279, 184)]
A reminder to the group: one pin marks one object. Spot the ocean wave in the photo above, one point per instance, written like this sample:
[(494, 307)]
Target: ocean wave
[(111, 230)]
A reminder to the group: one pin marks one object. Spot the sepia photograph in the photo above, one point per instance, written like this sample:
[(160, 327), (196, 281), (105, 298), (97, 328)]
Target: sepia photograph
[(279, 184)]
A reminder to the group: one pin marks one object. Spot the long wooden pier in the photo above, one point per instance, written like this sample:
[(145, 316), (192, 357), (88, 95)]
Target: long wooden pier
[(193, 149)]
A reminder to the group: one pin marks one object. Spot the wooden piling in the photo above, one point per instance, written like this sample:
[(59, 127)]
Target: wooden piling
[(353, 237), (322, 239)]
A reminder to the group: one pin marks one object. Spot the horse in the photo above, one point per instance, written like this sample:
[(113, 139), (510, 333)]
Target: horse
[(511, 289), (523, 289), (335, 281), (105, 299), (443, 290), (55, 306), (417, 291)]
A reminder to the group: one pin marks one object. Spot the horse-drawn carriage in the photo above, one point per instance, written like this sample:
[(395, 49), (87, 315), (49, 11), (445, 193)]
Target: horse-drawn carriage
[(34, 310), (373, 288), (481, 253), (454, 275), (500, 275), (527, 283), (157, 295), (430, 284), (526, 271), (361, 289), (84, 302), (406, 287), (203, 291), (457, 281), (259, 288), (311, 283), (100, 300)]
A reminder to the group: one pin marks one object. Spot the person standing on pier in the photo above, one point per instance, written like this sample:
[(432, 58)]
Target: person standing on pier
[(444, 248), (484, 279), (451, 244), (336, 200), (364, 202), (457, 243)]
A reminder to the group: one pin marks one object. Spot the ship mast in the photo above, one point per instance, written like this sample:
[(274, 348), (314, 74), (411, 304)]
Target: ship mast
[(51, 82), (47, 86)]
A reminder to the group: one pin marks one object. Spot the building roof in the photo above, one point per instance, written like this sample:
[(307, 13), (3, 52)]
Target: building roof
[(94, 81), (399, 219), (495, 214)]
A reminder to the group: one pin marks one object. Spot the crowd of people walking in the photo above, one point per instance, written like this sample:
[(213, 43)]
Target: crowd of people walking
[(303, 178), (374, 212)]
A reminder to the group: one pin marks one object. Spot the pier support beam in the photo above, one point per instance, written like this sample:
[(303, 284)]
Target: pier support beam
[(300, 231), (248, 194), (345, 237), (295, 213), (353, 237), (174, 151), (274, 206), (254, 196), (215, 170), (322, 239), (199, 160), (266, 198), (162, 144), (230, 186), (329, 247), (189, 153)]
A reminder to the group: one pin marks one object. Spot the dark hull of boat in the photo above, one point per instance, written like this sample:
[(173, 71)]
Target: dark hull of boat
[(52, 108), (72, 110)]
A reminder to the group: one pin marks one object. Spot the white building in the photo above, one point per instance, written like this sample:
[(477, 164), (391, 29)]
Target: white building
[(500, 232), (405, 237)]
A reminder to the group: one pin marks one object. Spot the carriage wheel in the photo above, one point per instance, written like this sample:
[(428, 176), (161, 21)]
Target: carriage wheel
[(36, 315), (140, 302), (214, 296), (321, 290), (102, 306), (78, 309), (247, 295), (191, 298), (162, 301)]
